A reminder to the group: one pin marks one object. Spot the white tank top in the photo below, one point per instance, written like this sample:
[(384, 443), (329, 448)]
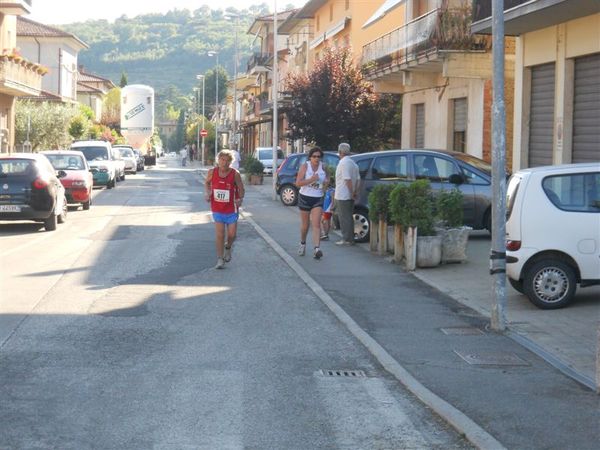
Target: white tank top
[(314, 189)]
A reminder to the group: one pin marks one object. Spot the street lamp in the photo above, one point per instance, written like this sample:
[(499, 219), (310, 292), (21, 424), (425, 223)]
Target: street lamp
[(235, 67), (275, 89), (216, 53), (198, 77)]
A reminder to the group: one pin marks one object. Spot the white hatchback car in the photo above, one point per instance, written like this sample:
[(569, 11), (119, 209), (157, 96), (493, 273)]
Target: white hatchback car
[(553, 232)]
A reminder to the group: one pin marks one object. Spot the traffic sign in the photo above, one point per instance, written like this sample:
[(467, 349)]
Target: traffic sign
[(203, 133)]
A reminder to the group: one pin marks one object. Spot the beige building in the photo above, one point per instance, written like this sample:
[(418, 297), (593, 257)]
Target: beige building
[(91, 90), (557, 79), (19, 76), (443, 71)]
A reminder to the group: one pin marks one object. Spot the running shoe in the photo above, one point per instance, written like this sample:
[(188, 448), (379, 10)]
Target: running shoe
[(318, 253), (220, 263), (325, 237), (227, 254), (301, 249)]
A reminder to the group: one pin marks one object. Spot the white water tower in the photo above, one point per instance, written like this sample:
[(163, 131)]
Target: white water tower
[(137, 115)]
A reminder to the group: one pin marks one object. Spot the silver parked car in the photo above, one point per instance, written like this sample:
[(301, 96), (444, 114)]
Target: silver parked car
[(444, 170)]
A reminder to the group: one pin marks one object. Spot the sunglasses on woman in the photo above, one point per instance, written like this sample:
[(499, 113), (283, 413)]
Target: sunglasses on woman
[(316, 156)]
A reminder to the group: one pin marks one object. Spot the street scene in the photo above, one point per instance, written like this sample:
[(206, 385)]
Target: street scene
[(319, 225)]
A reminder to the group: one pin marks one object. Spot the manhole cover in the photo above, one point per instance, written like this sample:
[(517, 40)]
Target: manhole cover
[(343, 373), (491, 358), (463, 331)]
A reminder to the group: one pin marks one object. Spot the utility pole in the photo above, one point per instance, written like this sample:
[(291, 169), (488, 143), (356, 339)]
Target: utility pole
[(235, 72), (275, 112), (498, 252), (216, 53), (202, 77)]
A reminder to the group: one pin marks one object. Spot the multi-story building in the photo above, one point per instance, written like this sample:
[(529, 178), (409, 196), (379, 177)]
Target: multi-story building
[(19, 76), (91, 90), (257, 120), (557, 78), (443, 71), (55, 49)]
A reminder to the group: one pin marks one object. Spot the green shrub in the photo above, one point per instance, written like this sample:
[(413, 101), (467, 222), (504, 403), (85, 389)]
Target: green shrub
[(413, 206), (253, 166), (379, 200), (450, 208)]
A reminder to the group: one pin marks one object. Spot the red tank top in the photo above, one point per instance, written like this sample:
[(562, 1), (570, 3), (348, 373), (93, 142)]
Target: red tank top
[(223, 192)]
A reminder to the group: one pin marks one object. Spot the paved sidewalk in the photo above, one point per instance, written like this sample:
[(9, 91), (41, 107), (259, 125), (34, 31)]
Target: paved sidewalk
[(567, 338), (520, 399)]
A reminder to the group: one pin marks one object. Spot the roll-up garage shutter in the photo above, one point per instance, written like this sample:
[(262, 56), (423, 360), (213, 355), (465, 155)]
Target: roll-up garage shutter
[(420, 125), (541, 115), (586, 110)]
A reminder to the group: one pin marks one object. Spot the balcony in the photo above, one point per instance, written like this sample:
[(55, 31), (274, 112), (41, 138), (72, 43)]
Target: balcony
[(420, 42), (19, 77), (15, 7), (258, 63), (521, 16)]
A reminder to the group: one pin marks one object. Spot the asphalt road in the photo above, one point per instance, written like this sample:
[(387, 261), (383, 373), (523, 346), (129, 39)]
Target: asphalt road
[(116, 332)]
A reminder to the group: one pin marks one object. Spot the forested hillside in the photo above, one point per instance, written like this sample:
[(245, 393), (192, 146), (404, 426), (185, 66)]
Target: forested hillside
[(166, 50)]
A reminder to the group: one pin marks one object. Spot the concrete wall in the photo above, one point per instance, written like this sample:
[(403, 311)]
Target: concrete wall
[(47, 53), (560, 44), (438, 111)]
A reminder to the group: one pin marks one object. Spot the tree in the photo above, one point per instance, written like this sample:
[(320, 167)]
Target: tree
[(210, 88), (111, 109), (49, 124), (334, 103), (123, 81)]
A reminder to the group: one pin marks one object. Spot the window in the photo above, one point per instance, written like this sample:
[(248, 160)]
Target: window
[(473, 178), (330, 12), (318, 23), (331, 160), (459, 127), (363, 167), (391, 168), (433, 168), (580, 192)]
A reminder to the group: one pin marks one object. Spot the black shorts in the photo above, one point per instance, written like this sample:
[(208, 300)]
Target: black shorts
[(306, 203)]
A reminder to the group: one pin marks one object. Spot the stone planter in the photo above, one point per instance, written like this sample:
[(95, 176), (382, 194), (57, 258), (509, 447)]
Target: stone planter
[(254, 179), (429, 251), (454, 244)]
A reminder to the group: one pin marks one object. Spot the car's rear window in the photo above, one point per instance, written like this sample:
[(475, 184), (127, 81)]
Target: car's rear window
[(126, 152), (268, 154), (16, 167), (578, 192), (93, 153), (66, 162)]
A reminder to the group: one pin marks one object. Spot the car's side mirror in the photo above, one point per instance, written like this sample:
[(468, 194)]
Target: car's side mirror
[(61, 174), (455, 178)]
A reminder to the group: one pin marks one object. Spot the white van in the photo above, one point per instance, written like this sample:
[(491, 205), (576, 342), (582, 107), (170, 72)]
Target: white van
[(265, 156), (553, 232)]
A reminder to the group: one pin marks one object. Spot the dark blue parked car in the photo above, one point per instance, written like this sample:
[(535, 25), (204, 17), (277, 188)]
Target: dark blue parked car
[(444, 169), (287, 172)]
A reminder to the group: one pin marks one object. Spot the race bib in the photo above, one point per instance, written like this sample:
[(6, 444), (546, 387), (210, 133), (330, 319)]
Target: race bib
[(221, 195)]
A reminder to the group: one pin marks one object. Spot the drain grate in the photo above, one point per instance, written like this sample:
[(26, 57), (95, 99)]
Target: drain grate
[(462, 331), (343, 373), (492, 359)]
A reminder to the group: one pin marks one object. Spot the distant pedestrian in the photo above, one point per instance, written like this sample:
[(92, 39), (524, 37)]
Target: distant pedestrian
[(347, 178), (236, 159), (312, 180), (224, 189), (184, 154)]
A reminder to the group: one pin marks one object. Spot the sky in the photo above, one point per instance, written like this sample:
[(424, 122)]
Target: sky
[(57, 12)]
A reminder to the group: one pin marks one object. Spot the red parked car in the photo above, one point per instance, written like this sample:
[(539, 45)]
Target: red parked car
[(79, 181)]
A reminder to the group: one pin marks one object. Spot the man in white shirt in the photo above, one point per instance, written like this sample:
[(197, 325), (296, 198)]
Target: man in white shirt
[(183, 153), (347, 178), (236, 159)]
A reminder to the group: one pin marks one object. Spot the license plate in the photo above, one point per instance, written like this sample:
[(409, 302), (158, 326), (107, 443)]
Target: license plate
[(10, 208)]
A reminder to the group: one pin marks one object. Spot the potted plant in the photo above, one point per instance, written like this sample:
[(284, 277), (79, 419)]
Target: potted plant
[(455, 236), (413, 208), (379, 200), (253, 169)]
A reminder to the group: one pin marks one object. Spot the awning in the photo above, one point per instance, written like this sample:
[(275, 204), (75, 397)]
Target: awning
[(336, 28), (316, 41), (387, 6)]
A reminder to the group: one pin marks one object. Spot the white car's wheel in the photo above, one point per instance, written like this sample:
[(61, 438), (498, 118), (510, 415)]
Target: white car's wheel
[(550, 284)]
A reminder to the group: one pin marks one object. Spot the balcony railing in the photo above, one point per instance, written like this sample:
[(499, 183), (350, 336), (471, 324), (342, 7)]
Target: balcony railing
[(258, 60), (19, 76), (439, 29)]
